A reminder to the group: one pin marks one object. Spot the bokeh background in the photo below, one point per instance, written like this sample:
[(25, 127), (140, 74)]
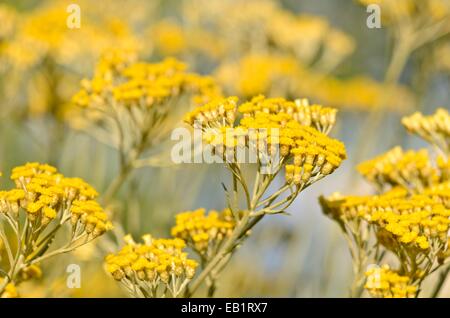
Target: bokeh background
[(321, 50)]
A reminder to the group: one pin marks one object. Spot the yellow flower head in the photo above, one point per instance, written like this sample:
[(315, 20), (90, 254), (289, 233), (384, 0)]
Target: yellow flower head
[(120, 78), (412, 170), (157, 261), (419, 223), (382, 282), (46, 195), (434, 128), (262, 125), (203, 231)]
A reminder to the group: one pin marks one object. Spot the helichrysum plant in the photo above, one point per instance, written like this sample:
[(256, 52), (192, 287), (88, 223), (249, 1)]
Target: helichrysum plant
[(285, 137), (407, 218), (132, 105), (43, 204)]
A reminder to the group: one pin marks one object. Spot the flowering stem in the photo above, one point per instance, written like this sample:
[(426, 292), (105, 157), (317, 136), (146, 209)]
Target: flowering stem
[(7, 247), (226, 249), (358, 281), (441, 281), (117, 183), (275, 195), (127, 165), (66, 249)]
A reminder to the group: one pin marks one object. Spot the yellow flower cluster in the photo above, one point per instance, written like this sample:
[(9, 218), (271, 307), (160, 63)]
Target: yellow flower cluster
[(386, 283), (317, 116), (278, 123), (275, 122), (411, 170), (118, 79), (418, 221), (440, 193), (151, 82), (149, 265), (434, 128), (45, 195), (132, 105), (410, 216), (346, 209), (203, 232), (107, 71), (220, 112), (314, 154)]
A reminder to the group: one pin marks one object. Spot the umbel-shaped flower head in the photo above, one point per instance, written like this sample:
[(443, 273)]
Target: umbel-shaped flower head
[(44, 195), (265, 125), (203, 232), (433, 128), (133, 105), (412, 170), (152, 267), (409, 217), (40, 206)]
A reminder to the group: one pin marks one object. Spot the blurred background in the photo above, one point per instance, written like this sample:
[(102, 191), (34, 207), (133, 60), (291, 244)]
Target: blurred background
[(321, 50)]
